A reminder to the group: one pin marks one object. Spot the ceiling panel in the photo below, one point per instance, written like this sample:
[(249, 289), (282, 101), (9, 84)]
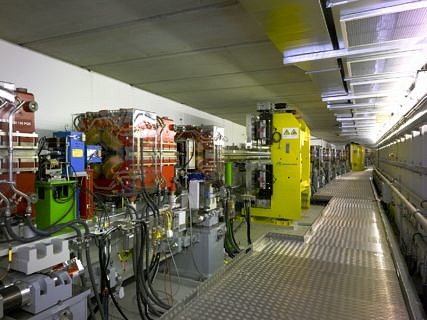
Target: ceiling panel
[(25, 21), (180, 66), (229, 96), (217, 27), (239, 79)]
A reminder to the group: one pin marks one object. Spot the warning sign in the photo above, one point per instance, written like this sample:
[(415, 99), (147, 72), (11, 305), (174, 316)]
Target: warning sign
[(290, 133)]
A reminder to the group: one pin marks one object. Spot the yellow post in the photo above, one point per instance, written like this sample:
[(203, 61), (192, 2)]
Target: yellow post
[(290, 157), (357, 157), (305, 166)]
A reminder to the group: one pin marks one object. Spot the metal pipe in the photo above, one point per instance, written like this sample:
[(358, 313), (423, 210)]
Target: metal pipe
[(6, 200), (421, 219), (10, 147), (28, 209), (161, 155), (14, 110), (14, 296), (415, 308)]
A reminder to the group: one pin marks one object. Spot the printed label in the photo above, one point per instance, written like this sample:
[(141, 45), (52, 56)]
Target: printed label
[(290, 133), (77, 153)]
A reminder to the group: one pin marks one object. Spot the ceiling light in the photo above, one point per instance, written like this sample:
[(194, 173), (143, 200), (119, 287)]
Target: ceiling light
[(311, 55), (359, 125), (359, 132), (360, 113), (406, 124), (339, 106), (354, 135), (380, 76), (331, 3), (373, 81), (355, 118), (358, 96)]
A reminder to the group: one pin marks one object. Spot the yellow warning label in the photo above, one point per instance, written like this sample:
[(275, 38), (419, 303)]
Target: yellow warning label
[(290, 133), (77, 153)]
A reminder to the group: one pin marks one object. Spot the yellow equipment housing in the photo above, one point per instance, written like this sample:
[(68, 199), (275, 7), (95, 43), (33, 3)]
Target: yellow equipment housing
[(357, 157), (290, 157)]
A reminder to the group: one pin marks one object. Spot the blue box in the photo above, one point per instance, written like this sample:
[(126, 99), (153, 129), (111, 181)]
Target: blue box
[(73, 152)]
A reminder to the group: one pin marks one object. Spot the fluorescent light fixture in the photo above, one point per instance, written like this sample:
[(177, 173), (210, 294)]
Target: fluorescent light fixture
[(360, 113), (355, 118), (380, 76), (360, 131), (340, 106), (322, 70), (332, 3), (373, 81), (371, 130), (359, 125), (406, 124), (354, 135), (359, 96), (340, 53)]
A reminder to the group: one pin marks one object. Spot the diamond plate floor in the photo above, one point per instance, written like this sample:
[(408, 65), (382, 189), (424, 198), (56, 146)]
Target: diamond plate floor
[(343, 270)]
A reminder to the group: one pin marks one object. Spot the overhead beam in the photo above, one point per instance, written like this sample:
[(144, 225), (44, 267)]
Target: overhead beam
[(341, 53), (384, 10), (358, 96)]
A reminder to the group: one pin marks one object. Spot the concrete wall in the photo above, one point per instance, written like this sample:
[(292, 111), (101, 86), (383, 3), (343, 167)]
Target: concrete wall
[(62, 89)]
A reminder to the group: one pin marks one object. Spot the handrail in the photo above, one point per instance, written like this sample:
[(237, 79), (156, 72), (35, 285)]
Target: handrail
[(413, 303), (421, 219)]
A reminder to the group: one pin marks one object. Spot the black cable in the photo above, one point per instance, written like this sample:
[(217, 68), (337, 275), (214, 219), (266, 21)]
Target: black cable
[(103, 262), (143, 284), (91, 275), (73, 203), (152, 294), (230, 246), (248, 222), (191, 158), (62, 201), (233, 236), (94, 195), (135, 258), (156, 268)]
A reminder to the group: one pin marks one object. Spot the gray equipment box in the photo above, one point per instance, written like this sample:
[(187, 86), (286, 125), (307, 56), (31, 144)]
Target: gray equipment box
[(205, 256)]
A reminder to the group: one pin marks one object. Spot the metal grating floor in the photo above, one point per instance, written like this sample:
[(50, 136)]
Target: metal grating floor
[(343, 270)]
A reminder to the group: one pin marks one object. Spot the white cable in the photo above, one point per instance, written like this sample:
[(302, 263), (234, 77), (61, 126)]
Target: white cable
[(176, 268)]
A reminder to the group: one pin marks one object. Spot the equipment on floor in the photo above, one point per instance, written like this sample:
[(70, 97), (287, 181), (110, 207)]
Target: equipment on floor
[(275, 165), (37, 272), (56, 203), (115, 187), (356, 156), (200, 173)]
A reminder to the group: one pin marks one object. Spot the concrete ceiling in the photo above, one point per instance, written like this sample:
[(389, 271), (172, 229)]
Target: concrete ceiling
[(219, 56)]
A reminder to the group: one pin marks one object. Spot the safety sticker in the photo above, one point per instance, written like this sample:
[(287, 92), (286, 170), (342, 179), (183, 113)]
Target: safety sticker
[(290, 133), (77, 153)]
